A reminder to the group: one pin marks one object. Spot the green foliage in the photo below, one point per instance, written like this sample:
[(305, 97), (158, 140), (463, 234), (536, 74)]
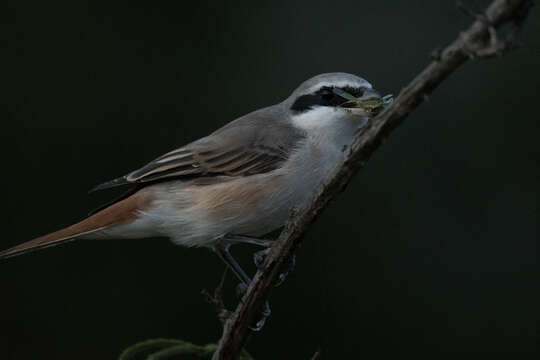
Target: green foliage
[(158, 349)]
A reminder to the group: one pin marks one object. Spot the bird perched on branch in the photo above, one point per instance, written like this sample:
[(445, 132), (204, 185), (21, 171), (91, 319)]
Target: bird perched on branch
[(240, 182)]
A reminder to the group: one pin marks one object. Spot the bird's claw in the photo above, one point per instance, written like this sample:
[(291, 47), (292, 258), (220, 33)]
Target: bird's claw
[(240, 291), (264, 315), (260, 256), (285, 270)]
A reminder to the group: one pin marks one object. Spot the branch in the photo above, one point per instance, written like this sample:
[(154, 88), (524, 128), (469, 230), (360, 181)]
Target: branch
[(479, 41)]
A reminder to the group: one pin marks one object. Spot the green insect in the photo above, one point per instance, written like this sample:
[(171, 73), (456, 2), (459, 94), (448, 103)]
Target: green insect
[(373, 106)]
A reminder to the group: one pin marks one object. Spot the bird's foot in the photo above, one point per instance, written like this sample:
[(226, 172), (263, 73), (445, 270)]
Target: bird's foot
[(265, 313), (241, 289), (260, 256)]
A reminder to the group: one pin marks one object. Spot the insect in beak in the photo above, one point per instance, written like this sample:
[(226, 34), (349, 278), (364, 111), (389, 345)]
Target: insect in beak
[(370, 101)]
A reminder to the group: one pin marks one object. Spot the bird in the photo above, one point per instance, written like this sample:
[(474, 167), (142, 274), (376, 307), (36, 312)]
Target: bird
[(237, 184)]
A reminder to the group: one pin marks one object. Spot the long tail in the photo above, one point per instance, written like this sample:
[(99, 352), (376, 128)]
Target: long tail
[(122, 212)]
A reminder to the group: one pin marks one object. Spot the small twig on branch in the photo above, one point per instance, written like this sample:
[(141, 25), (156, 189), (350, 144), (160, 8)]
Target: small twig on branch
[(494, 47), (216, 299), (477, 41)]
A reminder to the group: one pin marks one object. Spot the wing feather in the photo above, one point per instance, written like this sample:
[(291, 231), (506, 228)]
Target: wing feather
[(232, 151), (237, 162)]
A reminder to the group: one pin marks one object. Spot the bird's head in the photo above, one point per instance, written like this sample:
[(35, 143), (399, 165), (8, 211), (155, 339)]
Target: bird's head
[(344, 94)]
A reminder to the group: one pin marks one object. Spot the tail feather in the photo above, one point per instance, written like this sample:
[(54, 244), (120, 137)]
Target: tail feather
[(122, 212), (43, 242)]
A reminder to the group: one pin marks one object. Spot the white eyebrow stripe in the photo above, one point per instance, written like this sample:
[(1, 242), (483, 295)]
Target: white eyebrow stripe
[(339, 84)]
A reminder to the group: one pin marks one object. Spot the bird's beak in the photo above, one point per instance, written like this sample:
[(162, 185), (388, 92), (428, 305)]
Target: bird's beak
[(369, 104), (370, 94)]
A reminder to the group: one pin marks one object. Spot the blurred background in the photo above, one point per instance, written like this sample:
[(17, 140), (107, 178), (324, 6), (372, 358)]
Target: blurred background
[(432, 248)]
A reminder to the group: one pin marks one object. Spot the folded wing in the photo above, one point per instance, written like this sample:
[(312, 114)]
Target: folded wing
[(231, 151)]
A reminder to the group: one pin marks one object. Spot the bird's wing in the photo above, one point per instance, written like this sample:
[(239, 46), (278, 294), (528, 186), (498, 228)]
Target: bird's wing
[(240, 150)]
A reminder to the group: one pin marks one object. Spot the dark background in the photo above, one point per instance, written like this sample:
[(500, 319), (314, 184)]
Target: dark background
[(431, 249)]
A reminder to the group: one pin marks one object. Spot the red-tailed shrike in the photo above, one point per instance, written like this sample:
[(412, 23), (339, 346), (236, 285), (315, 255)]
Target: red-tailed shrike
[(237, 184)]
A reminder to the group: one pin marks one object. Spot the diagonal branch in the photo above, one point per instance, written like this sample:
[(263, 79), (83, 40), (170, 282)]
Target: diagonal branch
[(476, 42)]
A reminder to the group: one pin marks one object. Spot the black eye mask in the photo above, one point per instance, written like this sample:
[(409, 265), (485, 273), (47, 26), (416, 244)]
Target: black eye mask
[(339, 97)]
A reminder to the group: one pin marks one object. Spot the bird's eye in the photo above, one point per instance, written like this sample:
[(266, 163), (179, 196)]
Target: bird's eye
[(354, 91), (327, 94), (328, 97)]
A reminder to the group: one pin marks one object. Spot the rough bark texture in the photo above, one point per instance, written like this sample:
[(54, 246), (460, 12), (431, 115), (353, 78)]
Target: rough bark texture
[(479, 41)]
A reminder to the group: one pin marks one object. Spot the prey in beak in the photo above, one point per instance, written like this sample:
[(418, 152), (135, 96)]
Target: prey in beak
[(369, 104)]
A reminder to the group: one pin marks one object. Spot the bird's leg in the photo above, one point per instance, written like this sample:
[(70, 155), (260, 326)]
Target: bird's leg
[(259, 256), (240, 239), (225, 255), (223, 252)]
